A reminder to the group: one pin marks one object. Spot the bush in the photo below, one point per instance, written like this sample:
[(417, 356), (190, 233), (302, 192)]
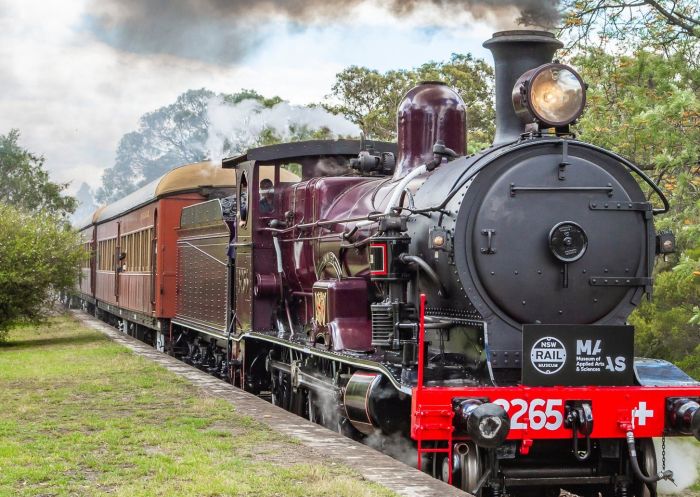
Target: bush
[(668, 327), (691, 363), (39, 258)]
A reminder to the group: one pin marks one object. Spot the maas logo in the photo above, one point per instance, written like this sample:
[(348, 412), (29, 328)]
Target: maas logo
[(548, 355)]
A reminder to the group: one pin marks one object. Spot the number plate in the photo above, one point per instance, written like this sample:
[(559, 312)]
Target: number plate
[(536, 414)]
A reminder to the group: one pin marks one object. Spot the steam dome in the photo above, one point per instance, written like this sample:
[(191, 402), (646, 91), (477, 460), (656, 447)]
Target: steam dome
[(429, 112)]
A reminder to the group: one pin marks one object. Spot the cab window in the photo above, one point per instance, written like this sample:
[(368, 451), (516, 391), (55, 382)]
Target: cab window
[(266, 190)]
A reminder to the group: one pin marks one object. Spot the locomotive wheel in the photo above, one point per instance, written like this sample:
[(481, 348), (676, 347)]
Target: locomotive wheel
[(287, 394), (345, 428), (282, 395), (439, 466), (467, 466), (322, 413), (298, 402)]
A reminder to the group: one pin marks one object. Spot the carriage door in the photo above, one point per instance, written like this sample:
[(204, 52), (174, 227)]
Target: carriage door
[(93, 261), (243, 244), (154, 265), (117, 261)]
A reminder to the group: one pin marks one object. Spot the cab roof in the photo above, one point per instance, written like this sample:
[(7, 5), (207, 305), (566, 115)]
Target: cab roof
[(310, 148)]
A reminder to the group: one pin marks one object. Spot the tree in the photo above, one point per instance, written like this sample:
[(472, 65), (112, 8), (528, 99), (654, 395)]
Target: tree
[(270, 135), (40, 259), (646, 106), (247, 94), (369, 98), (122, 178), (473, 80), (169, 136), (668, 25), (25, 183)]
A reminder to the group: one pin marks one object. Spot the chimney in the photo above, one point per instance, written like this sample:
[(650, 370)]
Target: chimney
[(515, 52)]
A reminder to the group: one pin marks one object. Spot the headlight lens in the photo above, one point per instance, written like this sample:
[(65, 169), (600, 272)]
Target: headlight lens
[(553, 94)]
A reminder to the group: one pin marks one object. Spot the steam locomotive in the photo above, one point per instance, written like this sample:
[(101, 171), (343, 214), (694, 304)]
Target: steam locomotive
[(474, 306)]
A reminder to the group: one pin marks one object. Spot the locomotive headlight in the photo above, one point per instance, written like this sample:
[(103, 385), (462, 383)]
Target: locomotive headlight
[(552, 94)]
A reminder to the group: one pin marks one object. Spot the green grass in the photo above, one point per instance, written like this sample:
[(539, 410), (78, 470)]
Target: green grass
[(83, 416)]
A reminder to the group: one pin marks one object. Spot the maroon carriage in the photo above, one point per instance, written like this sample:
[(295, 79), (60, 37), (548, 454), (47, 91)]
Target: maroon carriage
[(130, 276)]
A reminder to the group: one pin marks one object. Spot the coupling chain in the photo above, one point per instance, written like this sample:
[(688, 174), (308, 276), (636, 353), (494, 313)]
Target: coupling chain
[(663, 453)]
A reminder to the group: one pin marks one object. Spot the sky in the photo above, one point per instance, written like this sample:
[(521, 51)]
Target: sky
[(73, 79)]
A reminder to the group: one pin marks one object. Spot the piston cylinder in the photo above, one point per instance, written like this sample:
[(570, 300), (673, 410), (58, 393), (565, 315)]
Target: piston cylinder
[(372, 403)]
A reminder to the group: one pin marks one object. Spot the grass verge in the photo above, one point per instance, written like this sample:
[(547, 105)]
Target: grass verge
[(82, 416)]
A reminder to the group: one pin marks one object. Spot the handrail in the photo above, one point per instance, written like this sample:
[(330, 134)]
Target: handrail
[(421, 342)]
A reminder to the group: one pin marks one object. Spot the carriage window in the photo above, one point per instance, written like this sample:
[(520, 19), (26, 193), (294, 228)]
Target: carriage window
[(87, 255), (137, 247), (106, 254), (266, 190), (243, 200)]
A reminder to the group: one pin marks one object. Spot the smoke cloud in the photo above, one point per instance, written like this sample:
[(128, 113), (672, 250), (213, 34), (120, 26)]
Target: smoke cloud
[(235, 127), (226, 31)]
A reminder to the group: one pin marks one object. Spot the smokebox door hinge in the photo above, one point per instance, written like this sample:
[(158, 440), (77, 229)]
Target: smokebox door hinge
[(619, 281), (645, 207)]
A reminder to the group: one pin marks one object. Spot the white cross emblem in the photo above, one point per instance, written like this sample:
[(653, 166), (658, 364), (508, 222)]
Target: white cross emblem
[(641, 413)]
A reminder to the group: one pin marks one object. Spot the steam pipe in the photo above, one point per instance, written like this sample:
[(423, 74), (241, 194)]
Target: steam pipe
[(427, 269), (398, 190), (514, 53)]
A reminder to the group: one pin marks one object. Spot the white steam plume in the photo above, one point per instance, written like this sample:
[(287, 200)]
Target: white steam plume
[(235, 127), (683, 458), (393, 445)]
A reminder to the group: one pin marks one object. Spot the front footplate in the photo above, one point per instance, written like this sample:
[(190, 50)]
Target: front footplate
[(541, 412)]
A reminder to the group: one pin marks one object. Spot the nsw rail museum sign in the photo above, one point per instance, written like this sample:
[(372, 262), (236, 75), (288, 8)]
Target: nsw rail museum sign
[(577, 355)]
